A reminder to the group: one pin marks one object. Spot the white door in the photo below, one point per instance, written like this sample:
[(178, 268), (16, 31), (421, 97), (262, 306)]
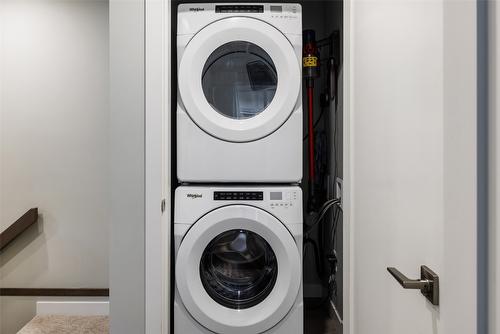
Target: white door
[(239, 79), (227, 270), (411, 164)]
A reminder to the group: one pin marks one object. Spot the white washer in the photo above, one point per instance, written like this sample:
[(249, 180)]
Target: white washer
[(238, 265), (239, 113)]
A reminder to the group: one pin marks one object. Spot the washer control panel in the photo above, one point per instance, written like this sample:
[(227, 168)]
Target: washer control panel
[(238, 195), (283, 199), (284, 202)]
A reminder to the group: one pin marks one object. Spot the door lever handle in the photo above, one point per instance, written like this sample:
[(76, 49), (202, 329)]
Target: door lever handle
[(428, 284), (406, 282)]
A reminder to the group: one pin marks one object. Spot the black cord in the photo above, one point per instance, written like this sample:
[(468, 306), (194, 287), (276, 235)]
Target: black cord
[(324, 206), (327, 206), (325, 210), (335, 144), (333, 229), (336, 222), (334, 286)]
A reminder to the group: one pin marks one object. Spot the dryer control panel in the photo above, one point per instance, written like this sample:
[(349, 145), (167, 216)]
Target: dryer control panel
[(286, 17), (239, 8)]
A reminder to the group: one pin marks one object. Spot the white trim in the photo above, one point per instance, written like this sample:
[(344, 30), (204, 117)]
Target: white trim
[(76, 308), (157, 233), (348, 182), (167, 164)]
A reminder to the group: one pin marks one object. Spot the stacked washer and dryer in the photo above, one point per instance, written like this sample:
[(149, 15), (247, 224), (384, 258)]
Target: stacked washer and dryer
[(238, 212)]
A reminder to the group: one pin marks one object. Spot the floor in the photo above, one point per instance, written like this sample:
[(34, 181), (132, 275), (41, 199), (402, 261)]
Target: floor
[(319, 321), (57, 324), (316, 321)]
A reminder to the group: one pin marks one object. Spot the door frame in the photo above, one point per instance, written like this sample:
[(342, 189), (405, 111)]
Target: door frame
[(157, 166), (348, 212), (492, 10)]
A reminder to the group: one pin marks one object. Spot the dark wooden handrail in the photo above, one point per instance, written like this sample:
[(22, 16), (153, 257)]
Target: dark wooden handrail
[(19, 226), (11, 233), (58, 292)]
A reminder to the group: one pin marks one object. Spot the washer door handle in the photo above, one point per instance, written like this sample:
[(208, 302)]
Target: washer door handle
[(428, 284)]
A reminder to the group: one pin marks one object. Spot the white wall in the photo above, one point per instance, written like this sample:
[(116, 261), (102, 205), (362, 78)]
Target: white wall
[(127, 256), (54, 153)]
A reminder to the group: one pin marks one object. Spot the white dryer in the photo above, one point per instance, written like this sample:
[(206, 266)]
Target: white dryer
[(238, 266), (239, 113)]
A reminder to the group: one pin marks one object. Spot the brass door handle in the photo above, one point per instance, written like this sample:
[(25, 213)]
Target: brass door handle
[(428, 284)]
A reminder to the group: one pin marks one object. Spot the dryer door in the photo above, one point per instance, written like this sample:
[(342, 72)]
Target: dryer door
[(239, 79), (238, 270)]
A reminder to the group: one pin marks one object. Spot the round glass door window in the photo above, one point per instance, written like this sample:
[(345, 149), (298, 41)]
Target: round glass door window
[(238, 269), (239, 80)]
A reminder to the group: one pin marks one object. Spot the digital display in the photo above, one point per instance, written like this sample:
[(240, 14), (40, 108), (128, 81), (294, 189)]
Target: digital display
[(276, 9), (239, 9), (238, 195), (276, 196)]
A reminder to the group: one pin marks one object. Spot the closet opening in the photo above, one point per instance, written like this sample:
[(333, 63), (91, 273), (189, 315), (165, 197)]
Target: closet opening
[(322, 87), (235, 100)]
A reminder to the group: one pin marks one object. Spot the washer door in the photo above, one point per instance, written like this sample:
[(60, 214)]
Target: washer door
[(238, 270), (239, 79)]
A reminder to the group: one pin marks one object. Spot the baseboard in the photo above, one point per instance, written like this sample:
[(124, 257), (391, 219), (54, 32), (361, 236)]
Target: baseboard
[(77, 308)]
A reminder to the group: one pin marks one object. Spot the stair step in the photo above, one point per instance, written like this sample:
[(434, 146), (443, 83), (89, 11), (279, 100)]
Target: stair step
[(64, 324)]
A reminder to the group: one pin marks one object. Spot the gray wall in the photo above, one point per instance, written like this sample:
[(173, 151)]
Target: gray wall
[(54, 153), (494, 161), (127, 161)]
